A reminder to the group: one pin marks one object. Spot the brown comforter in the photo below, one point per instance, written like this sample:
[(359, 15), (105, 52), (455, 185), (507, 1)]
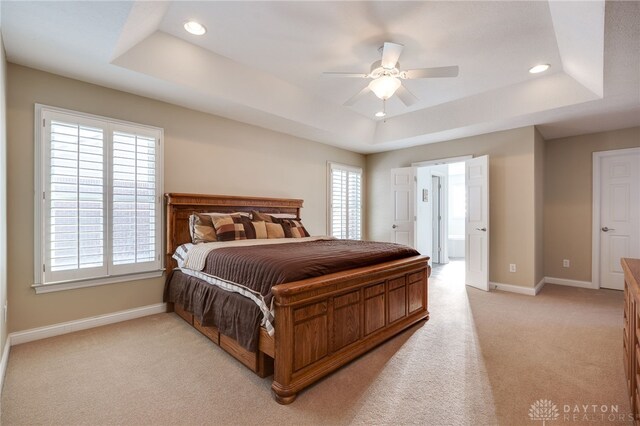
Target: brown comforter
[(261, 267)]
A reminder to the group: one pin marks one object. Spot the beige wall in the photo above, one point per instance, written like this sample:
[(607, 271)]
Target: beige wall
[(3, 195), (511, 192), (203, 154), (568, 199), (539, 169)]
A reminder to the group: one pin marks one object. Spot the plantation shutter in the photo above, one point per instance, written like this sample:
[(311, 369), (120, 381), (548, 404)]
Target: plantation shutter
[(345, 199), (134, 200), (100, 183), (75, 201)]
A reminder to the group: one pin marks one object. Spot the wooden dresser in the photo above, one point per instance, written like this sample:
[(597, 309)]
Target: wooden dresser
[(631, 337)]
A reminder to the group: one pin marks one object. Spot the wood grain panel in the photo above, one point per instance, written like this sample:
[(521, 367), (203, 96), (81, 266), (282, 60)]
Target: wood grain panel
[(374, 314), (309, 311), (211, 332), (346, 299), (417, 276), (373, 290), (397, 304), (187, 316), (397, 282), (238, 352), (416, 293), (267, 343), (310, 341), (346, 325)]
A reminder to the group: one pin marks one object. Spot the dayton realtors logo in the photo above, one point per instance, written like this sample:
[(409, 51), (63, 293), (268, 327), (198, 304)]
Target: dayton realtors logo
[(543, 410)]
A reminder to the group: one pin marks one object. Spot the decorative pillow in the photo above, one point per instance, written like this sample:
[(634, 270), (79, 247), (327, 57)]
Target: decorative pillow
[(284, 216), (202, 229), (294, 228), (260, 229), (217, 214), (249, 230), (263, 217), (274, 230), (229, 228)]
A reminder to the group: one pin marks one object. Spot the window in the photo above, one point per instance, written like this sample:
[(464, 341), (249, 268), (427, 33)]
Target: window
[(98, 200), (345, 201)]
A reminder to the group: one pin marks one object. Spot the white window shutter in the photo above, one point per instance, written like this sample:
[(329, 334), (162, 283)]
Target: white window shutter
[(134, 199), (100, 209), (345, 200), (75, 199)]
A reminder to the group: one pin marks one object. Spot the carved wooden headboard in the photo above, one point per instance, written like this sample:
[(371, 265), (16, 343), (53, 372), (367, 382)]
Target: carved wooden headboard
[(181, 206)]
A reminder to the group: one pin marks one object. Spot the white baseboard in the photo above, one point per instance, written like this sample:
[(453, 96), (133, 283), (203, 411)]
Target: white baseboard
[(85, 323), (530, 291), (571, 283), (4, 361), (539, 286)]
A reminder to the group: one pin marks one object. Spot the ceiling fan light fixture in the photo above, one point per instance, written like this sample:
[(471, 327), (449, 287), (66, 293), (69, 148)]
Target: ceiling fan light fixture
[(194, 28), (384, 87), (539, 68)]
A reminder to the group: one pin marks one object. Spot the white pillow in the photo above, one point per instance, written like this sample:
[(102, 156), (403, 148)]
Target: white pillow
[(283, 215)]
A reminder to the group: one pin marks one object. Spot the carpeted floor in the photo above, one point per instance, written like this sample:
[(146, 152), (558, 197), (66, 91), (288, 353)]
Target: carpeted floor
[(482, 358)]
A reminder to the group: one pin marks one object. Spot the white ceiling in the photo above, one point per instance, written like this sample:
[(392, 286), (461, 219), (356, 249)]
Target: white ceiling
[(262, 62)]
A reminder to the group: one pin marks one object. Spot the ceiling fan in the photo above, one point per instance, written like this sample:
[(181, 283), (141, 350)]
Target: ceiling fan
[(386, 76)]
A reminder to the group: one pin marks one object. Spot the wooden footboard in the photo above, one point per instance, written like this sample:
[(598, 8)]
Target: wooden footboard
[(323, 323)]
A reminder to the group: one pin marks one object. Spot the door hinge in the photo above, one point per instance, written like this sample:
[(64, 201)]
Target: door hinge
[(44, 195), (415, 178), (44, 268), (44, 122)]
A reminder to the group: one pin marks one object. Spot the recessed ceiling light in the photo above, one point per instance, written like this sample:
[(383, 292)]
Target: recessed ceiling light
[(539, 68), (380, 114), (195, 28)]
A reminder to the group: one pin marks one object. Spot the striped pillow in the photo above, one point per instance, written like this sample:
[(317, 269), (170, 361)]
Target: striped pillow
[(260, 229), (229, 228), (294, 228)]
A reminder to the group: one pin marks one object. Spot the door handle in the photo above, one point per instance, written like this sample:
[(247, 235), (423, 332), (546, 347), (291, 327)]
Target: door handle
[(481, 229), (394, 226), (605, 229)]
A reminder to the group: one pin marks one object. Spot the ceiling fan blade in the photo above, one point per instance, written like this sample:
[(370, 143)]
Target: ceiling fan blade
[(346, 74), (390, 54), (431, 72), (406, 96), (355, 98)]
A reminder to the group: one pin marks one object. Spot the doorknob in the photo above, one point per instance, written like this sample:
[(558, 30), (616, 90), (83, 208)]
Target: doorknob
[(394, 226), (481, 229), (605, 229)]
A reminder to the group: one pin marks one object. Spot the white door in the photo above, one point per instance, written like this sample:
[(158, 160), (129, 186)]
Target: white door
[(619, 226), (403, 189), (477, 222)]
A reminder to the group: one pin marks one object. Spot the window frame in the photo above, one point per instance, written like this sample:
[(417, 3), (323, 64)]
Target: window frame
[(348, 168), (41, 180)]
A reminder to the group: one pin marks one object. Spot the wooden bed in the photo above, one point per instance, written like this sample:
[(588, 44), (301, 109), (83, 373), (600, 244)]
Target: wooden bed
[(320, 323)]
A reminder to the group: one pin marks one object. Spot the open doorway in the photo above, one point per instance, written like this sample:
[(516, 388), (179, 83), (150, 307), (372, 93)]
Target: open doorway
[(440, 218), (416, 219)]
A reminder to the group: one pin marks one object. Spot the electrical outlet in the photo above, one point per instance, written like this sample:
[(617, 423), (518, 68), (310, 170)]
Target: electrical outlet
[(566, 263), (512, 267)]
